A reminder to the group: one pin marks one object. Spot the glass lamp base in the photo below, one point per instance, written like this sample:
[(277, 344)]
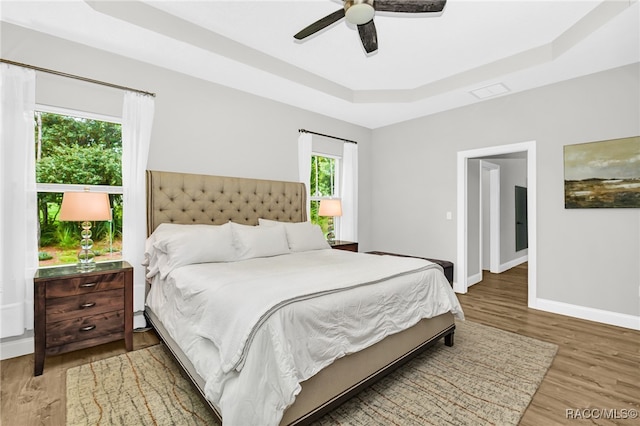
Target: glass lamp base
[(86, 267), (86, 255), (331, 236)]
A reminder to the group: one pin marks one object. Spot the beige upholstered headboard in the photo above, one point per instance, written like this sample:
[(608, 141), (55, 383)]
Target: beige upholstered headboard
[(190, 198)]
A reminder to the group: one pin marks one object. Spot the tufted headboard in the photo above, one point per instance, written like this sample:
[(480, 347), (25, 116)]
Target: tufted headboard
[(190, 198)]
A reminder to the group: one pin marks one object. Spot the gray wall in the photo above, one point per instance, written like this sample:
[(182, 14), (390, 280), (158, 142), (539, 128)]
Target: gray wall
[(513, 172), (587, 258), (199, 127)]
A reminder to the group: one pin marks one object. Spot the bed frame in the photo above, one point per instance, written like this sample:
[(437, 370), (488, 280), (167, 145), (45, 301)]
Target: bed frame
[(190, 198)]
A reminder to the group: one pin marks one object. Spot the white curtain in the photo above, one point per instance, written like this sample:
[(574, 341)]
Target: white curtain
[(18, 200), (137, 121), (304, 165), (349, 221)]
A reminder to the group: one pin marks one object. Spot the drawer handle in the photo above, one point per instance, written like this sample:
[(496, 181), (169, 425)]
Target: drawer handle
[(87, 285), (87, 305), (87, 328)]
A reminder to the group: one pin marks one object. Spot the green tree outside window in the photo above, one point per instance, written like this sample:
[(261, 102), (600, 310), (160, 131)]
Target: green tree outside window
[(323, 184), (75, 150)]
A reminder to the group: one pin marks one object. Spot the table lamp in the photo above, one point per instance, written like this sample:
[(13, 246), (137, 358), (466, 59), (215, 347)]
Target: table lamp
[(330, 207), (85, 207)]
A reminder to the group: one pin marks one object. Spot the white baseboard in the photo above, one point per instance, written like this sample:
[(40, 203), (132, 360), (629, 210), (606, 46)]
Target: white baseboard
[(513, 263), (16, 348), (8, 315), (592, 314), (474, 279), (139, 321)]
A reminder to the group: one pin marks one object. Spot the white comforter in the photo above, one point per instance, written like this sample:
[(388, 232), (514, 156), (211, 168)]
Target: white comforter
[(253, 374)]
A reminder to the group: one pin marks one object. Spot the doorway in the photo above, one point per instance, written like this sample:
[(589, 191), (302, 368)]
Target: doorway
[(489, 217), (484, 220), (461, 283)]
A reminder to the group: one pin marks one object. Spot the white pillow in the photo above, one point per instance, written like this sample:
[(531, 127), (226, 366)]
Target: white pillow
[(180, 245), (301, 236), (256, 241), (153, 257)]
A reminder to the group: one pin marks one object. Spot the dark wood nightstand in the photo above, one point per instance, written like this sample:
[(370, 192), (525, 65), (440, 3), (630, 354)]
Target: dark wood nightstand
[(344, 245), (75, 310), (446, 265)]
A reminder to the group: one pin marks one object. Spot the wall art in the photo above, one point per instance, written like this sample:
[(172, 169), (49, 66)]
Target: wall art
[(603, 174)]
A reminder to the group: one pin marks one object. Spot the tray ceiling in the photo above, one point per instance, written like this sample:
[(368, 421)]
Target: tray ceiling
[(425, 64)]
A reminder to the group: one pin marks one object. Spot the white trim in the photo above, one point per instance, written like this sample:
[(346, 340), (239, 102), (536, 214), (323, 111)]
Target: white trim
[(474, 279), (58, 187), (139, 320), (495, 237), (512, 263), (481, 233), (586, 313), (461, 284), (337, 176), (64, 187), (9, 313), (337, 185), (532, 222), (16, 348), (460, 271), (77, 113), (494, 216), (322, 154)]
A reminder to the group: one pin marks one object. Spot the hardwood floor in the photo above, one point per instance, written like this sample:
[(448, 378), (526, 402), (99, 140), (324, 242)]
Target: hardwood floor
[(31, 401), (597, 365)]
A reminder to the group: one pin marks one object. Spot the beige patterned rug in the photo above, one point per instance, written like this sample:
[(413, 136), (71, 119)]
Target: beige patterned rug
[(488, 377)]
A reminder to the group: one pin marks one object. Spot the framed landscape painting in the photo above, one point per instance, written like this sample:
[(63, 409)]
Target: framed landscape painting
[(602, 174)]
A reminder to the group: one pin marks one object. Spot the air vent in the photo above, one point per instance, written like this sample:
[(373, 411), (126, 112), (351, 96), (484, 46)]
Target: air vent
[(490, 91)]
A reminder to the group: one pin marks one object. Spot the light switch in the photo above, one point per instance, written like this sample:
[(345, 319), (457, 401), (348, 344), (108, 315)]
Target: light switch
[(449, 217)]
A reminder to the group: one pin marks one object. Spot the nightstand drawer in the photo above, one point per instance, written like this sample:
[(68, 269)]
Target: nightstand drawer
[(64, 308), (78, 308), (77, 329), (82, 285)]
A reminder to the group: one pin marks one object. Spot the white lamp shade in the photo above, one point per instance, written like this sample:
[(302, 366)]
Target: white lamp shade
[(330, 207), (85, 206)]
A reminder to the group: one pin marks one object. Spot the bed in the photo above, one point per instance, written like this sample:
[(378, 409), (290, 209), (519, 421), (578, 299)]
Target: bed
[(176, 200)]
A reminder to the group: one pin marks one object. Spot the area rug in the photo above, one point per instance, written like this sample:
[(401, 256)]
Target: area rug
[(488, 377)]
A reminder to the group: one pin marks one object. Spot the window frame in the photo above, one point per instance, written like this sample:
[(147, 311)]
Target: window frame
[(68, 187), (336, 176)]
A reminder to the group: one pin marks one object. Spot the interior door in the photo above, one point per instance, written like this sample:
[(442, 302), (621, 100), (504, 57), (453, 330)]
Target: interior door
[(521, 219)]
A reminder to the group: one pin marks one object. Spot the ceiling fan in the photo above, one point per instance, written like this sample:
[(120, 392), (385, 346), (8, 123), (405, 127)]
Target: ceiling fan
[(360, 13)]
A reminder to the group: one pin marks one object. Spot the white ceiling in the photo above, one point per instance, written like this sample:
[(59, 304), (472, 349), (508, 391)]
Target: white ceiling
[(425, 63)]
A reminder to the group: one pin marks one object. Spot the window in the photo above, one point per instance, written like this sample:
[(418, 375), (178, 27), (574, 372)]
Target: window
[(324, 184), (76, 150)]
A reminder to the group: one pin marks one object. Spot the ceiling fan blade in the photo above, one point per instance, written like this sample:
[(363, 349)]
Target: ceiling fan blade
[(409, 6), (369, 36), (320, 24)]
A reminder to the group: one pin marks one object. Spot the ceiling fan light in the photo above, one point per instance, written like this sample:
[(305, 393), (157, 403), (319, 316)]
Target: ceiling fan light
[(359, 13)]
